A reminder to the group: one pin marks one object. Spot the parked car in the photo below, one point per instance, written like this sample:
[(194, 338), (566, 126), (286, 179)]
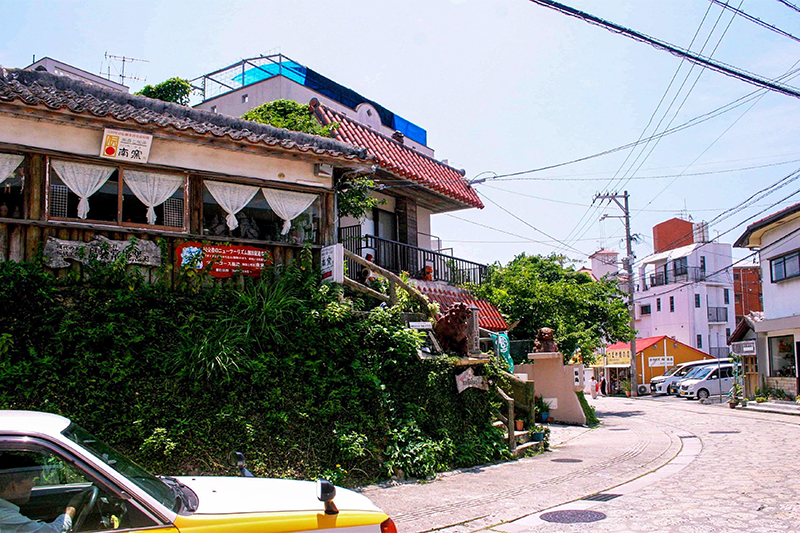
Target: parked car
[(709, 380), (671, 380), (62, 461)]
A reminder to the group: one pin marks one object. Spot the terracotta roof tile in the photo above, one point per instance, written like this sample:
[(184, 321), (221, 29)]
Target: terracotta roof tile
[(35, 88), (445, 295), (400, 159)]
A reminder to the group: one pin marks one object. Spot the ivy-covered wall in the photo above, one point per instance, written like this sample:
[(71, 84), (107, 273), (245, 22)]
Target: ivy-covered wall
[(284, 370)]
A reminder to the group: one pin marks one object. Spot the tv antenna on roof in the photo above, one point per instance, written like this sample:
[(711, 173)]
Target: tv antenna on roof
[(123, 59)]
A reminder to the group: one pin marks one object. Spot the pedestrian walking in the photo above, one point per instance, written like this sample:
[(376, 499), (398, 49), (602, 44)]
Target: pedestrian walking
[(595, 386), (603, 386)]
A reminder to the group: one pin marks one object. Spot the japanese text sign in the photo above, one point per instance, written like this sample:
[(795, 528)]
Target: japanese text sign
[(126, 145), (223, 261)]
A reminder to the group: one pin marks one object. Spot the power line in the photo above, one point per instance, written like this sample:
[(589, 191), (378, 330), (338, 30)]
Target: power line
[(755, 20), (659, 177), (722, 68), (790, 5), (532, 226)]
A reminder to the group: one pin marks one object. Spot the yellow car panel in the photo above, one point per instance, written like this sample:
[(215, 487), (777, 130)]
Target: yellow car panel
[(285, 522)]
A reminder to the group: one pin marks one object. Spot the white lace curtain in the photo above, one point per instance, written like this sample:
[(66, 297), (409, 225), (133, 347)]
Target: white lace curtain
[(152, 189), (82, 179), (8, 164), (288, 205), (232, 198)]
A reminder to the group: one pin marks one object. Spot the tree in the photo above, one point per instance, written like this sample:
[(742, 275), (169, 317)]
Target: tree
[(539, 292), (290, 115), (175, 90), (354, 193)]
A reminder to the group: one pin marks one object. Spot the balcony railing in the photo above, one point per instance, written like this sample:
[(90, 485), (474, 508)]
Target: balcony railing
[(398, 257), (675, 275), (717, 314), (719, 353)]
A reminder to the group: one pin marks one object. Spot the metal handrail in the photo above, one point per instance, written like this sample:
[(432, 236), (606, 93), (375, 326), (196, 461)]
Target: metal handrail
[(420, 263)]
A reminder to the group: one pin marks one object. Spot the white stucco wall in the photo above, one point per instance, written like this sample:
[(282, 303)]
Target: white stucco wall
[(424, 229), (183, 155), (781, 299), (688, 321)]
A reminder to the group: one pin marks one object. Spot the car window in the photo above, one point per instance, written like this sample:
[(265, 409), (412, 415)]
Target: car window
[(138, 475), (43, 484), (701, 372)]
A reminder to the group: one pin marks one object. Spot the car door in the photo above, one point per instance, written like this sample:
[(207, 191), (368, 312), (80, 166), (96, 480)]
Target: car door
[(711, 384), (54, 476)]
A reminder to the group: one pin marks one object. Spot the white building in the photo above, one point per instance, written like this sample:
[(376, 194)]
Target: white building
[(686, 292), (777, 239)]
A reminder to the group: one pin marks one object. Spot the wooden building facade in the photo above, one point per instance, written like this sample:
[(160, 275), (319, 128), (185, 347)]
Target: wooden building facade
[(79, 162)]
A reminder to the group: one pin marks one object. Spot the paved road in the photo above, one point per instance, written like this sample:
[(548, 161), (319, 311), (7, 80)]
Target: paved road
[(663, 464)]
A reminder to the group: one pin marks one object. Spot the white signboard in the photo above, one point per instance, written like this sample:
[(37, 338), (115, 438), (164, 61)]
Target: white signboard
[(332, 259), (420, 325), (126, 145), (744, 347), (659, 361), (468, 379)]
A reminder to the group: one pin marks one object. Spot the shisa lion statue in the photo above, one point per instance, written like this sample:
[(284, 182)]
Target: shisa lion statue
[(452, 329), (544, 341)]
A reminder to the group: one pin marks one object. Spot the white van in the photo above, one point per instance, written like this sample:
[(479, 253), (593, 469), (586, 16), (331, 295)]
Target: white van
[(668, 383), (710, 380)]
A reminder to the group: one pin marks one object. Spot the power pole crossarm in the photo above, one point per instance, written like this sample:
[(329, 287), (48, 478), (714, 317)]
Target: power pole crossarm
[(628, 263)]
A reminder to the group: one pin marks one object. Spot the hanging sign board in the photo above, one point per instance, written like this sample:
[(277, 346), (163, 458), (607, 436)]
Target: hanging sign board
[(332, 259), (222, 261), (660, 361), (420, 325), (123, 145), (468, 379)]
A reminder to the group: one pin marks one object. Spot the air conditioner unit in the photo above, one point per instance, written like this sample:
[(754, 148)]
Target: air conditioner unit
[(323, 170)]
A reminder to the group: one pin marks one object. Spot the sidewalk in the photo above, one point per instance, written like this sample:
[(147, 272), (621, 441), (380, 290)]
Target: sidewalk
[(775, 406), (582, 461)]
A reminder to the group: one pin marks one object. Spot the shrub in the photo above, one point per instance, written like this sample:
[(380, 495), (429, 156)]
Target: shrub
[(283, 370)]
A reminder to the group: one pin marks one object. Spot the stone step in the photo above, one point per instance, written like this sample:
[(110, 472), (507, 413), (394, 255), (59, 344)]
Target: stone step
[(518, 451)]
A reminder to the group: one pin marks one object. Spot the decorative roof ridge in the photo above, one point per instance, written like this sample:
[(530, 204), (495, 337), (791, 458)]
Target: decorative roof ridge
[(314, 103), (46, 81)]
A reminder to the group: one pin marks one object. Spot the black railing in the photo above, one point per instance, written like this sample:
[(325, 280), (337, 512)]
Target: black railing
[(418, 262), (717, 314), (675, 275)]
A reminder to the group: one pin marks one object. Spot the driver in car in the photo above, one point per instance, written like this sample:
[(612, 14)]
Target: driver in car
[(18, 475)]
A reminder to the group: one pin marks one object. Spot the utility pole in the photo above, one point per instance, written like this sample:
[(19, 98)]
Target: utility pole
[(627, 261)]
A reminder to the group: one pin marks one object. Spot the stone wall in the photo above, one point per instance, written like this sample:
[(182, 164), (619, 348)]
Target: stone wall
[(787, 385)]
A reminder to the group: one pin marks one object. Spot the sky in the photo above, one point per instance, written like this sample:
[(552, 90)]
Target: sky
[(501, 87)]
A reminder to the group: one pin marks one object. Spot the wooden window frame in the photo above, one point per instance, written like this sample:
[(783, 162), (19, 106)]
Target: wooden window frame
[(119, 222)]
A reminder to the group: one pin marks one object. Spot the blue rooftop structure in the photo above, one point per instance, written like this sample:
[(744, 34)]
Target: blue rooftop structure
[(257, 69)]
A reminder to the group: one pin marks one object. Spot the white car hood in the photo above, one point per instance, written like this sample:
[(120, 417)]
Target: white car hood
[(690, 382), (228, 495)]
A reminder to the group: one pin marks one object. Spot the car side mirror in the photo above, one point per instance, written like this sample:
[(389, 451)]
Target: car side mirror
[(238, 460), (326, 492)]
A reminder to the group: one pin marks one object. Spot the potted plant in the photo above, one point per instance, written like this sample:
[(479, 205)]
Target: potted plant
[(626, 386), (733, 395), (520, 425), (542, 408), (537, 433)]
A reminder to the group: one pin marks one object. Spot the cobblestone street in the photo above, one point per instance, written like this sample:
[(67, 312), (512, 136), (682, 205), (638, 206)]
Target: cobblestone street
[(661, 464)]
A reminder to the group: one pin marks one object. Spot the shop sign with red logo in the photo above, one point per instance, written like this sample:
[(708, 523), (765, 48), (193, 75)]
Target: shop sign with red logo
[(126, 145), (223, 261)]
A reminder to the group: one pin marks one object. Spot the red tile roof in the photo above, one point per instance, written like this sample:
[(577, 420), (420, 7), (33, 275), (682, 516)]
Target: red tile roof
[(400, 159), (445, 295), (643, 344)]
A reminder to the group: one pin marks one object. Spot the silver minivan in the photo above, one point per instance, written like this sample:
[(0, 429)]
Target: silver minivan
[(669, 382), (710, 380)]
